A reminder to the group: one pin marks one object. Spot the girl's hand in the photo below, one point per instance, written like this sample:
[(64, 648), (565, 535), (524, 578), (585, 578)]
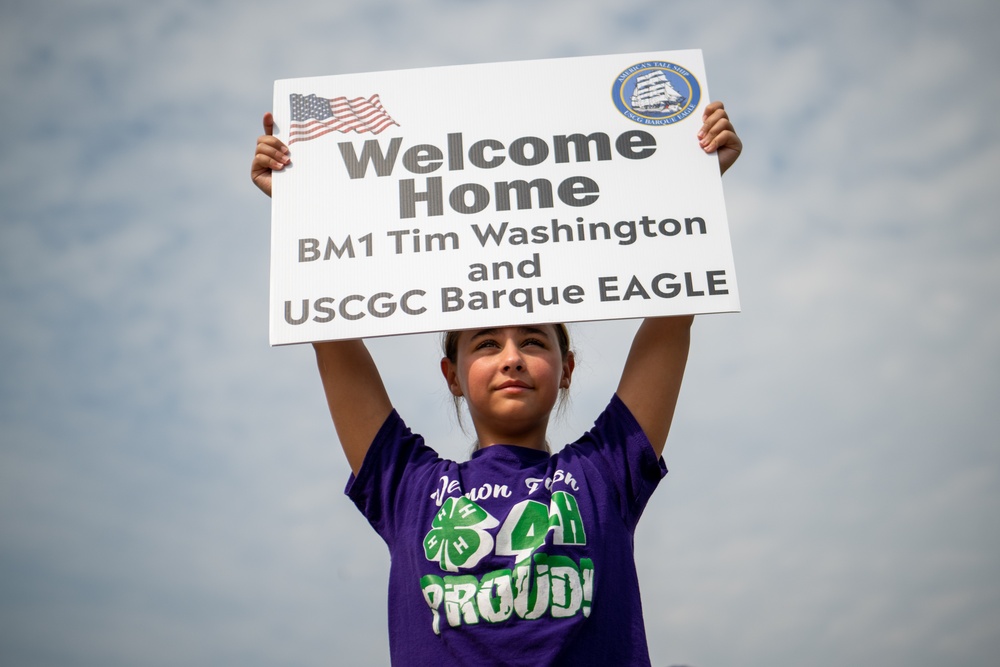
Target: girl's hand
[(271, 155), (717, 134)]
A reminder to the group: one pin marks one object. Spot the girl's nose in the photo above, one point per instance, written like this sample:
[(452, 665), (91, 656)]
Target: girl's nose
[(512, 357)]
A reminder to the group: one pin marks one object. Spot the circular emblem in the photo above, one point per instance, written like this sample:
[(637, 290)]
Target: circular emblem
[(656, 93)]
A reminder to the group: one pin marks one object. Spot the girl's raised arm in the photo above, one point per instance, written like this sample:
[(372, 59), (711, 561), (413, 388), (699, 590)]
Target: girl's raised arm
[(355, 394), (358, 401), (651, 380)]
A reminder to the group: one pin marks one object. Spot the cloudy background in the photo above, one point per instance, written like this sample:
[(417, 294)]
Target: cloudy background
[(171, 487)]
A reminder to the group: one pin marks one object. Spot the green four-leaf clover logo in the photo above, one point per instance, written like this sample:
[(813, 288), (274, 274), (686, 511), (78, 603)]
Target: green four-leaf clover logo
[(458, 537)]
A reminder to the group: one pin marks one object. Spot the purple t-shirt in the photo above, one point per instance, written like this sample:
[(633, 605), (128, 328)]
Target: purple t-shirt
[(515, 557)]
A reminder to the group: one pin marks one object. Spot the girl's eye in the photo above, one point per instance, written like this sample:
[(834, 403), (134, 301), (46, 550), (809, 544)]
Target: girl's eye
[(534, 341), (486, 343)]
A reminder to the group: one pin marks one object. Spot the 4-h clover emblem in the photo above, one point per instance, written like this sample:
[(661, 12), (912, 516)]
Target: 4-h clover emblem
[(458, 536)]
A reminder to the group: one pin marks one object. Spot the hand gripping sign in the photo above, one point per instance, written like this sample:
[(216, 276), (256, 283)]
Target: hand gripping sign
[(499, 194)]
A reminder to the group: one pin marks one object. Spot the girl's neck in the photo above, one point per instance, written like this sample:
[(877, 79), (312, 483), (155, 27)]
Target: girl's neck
[(534, 439)]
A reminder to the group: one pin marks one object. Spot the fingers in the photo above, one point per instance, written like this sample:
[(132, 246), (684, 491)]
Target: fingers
[(724, 139), (706, 125), (264, 165), (717, 135), (715, 122), (271, 153), (270, 147)]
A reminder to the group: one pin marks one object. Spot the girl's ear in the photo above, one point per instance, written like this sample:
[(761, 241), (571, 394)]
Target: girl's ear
[(450, 373), (568, 365)]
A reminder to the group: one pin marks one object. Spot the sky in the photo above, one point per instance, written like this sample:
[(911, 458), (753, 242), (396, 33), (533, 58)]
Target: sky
[(171, 487)]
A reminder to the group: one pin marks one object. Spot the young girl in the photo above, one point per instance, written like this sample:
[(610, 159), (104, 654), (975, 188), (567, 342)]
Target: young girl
[(517, 556)]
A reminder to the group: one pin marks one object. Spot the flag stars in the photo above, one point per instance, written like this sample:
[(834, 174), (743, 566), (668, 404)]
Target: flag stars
[(314, 116)]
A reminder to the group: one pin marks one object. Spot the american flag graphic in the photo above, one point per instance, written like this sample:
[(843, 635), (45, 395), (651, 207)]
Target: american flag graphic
[(314, 116)]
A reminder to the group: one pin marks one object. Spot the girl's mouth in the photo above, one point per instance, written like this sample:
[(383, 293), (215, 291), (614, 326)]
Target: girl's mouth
[(513, 384)]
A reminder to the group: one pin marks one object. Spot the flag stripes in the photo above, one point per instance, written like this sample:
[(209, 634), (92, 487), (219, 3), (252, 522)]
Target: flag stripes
[(314, 116)]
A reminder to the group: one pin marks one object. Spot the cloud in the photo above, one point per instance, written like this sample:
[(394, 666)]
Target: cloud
[(170, 488)]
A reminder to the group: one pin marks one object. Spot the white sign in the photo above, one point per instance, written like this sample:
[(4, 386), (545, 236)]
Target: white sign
[(499, 194)]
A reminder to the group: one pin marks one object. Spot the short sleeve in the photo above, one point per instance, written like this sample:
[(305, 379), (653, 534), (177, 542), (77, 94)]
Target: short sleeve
[(618, 445), (395, 457)]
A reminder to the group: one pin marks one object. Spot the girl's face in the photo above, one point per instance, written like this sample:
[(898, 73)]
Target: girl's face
[(510, 378)]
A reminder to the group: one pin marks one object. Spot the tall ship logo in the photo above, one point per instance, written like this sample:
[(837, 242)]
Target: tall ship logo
[(656, 93)]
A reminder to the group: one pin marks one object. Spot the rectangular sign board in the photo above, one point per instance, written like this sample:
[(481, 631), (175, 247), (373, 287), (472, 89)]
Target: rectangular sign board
[(498, 194)]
